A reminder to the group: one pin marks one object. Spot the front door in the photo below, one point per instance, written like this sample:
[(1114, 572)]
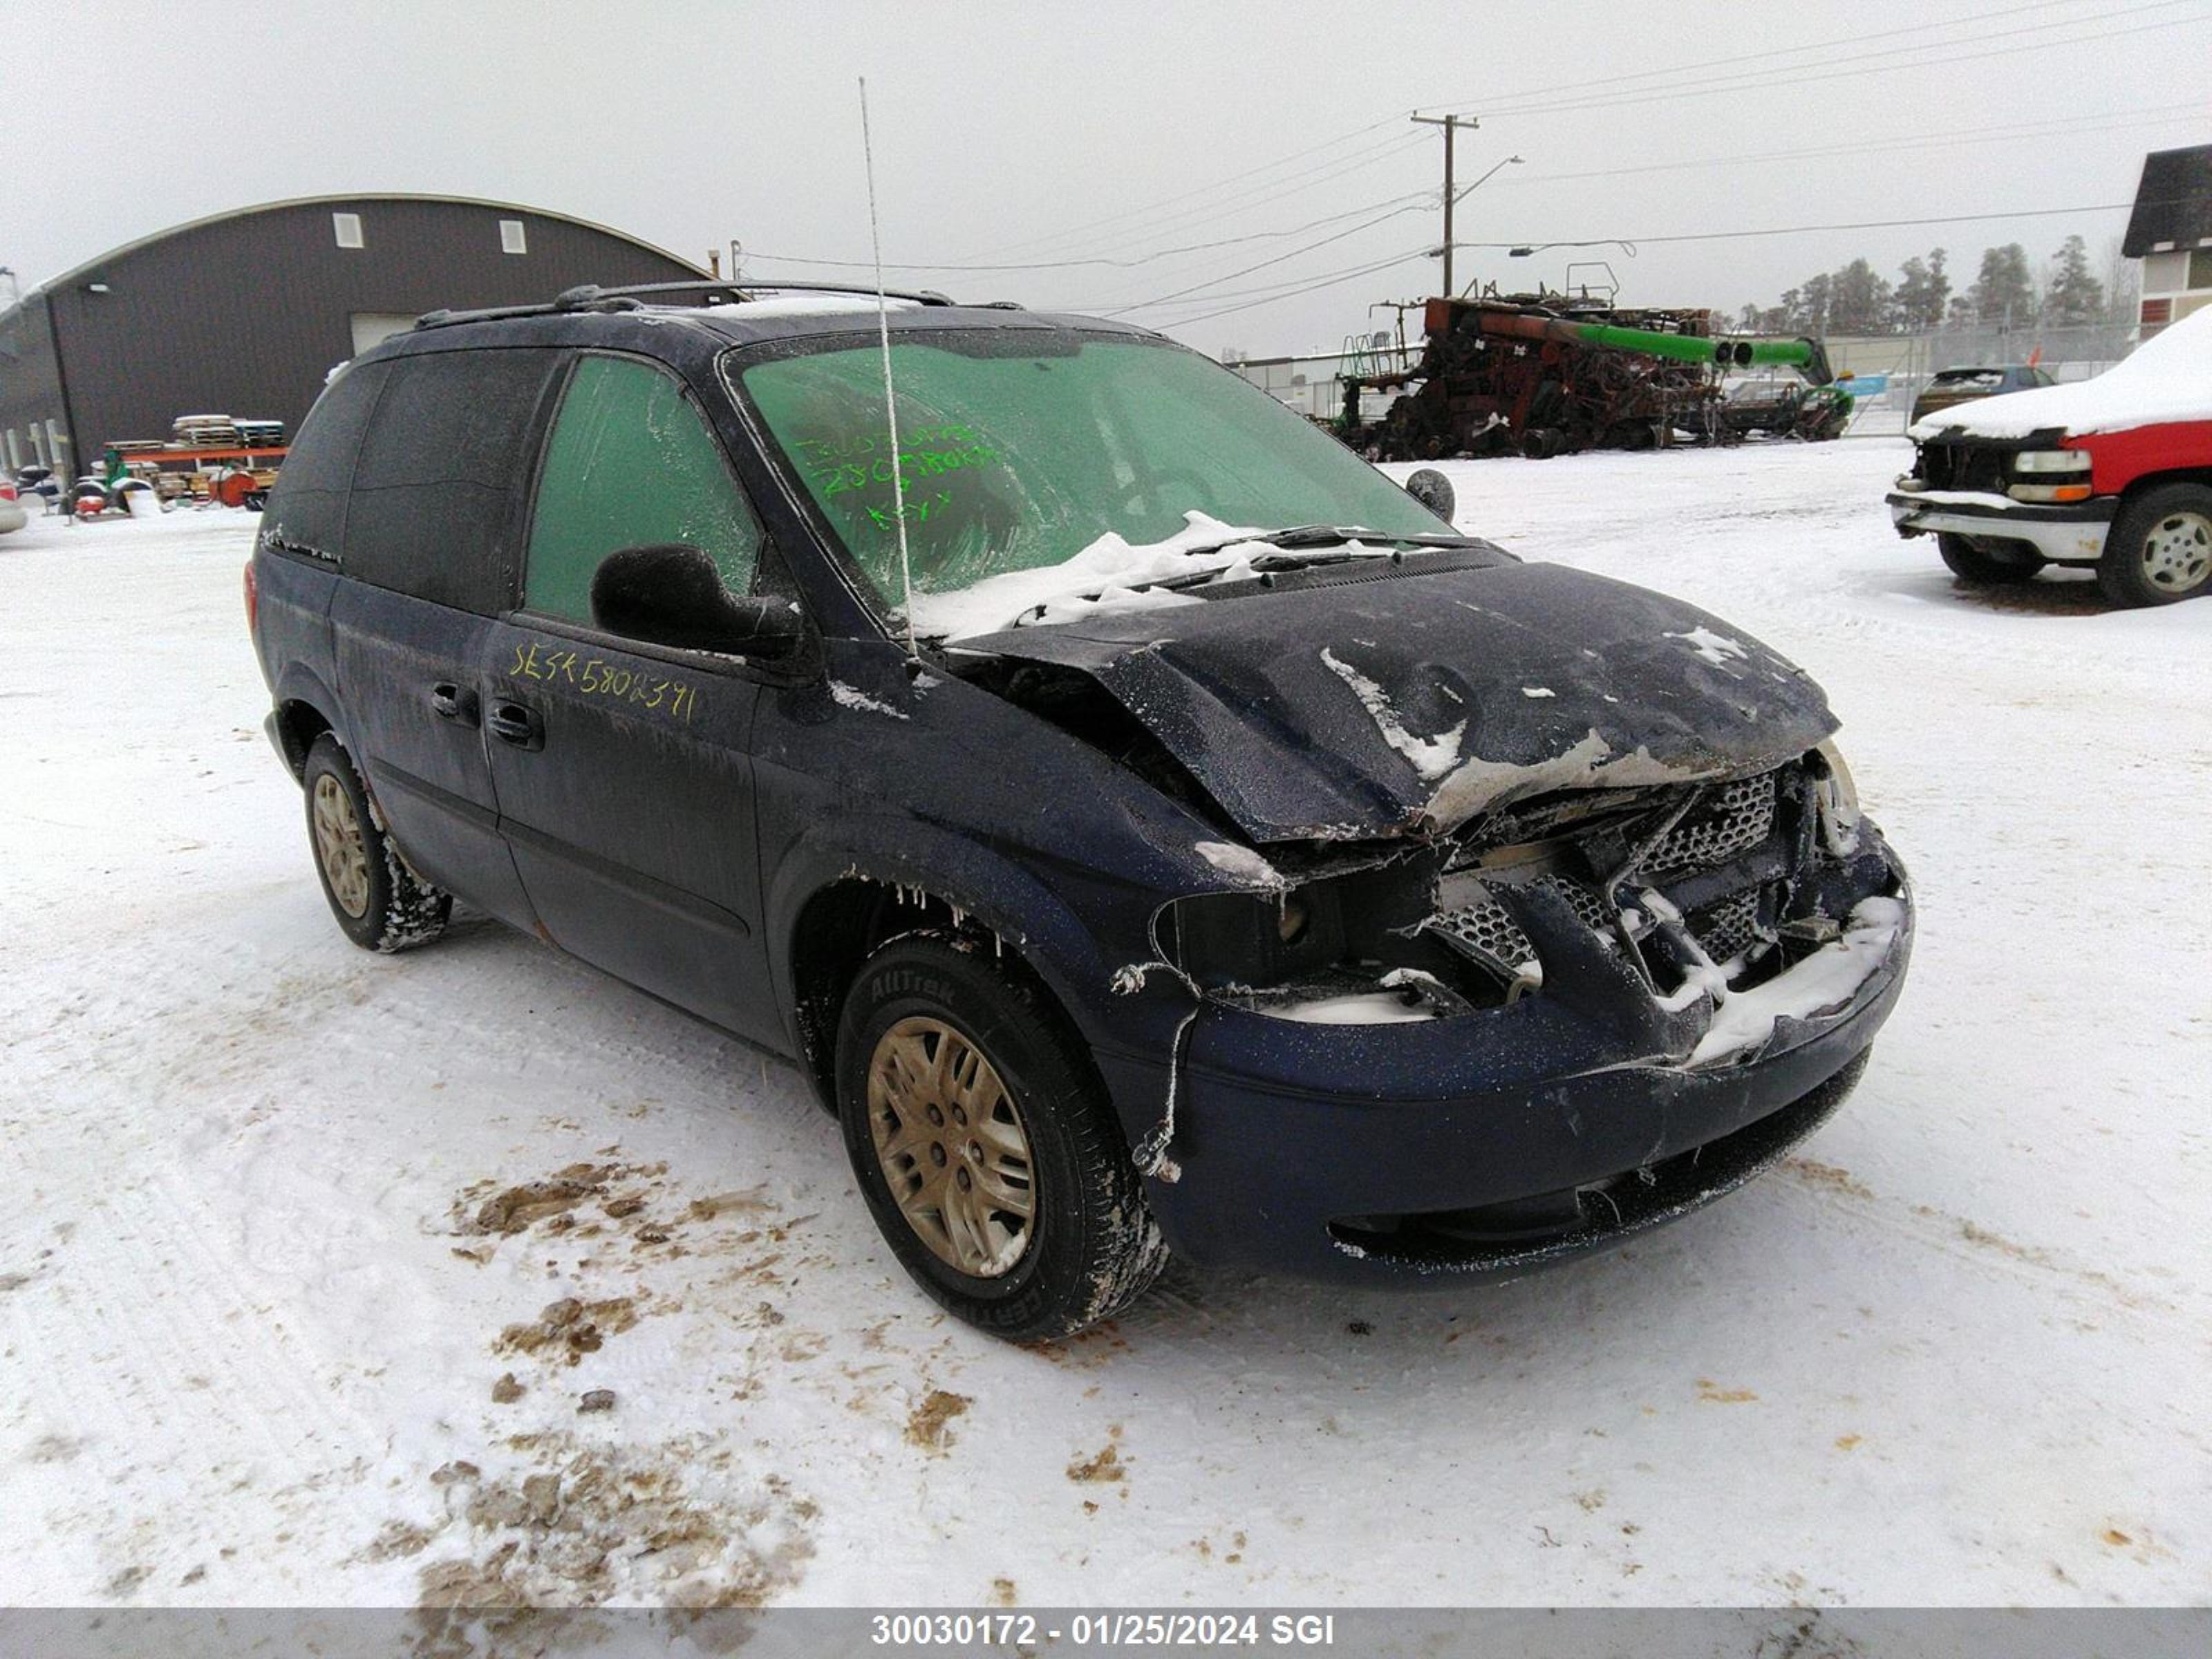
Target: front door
[(622, 770)]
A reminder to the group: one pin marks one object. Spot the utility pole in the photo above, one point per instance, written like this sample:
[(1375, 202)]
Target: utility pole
[(1451, 124)]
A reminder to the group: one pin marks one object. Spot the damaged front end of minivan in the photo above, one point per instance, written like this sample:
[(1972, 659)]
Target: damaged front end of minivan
[(1544, 912)]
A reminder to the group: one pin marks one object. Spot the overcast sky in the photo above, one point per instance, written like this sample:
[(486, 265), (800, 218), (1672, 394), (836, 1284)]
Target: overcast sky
[(1026, 133)]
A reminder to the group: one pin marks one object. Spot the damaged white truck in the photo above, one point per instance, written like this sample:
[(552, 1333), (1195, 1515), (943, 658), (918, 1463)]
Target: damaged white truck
[(1148, 826)]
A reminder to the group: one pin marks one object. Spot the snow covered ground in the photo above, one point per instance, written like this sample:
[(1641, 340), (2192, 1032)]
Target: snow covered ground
[(275, 1240)]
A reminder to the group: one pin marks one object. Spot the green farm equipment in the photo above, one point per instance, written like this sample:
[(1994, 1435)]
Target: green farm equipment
[(1541, 375)]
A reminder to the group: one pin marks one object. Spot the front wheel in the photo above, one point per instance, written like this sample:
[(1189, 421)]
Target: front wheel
[(2161, 547), (1985, 562), (985, 1146), (380, 903)]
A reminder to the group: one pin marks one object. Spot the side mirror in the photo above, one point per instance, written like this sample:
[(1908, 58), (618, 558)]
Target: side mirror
[(1434, 491), (671, 595)]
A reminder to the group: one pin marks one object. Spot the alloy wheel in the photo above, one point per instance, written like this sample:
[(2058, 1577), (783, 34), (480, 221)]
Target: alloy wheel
[(2177, 553), (952, 1147), (339, 846)]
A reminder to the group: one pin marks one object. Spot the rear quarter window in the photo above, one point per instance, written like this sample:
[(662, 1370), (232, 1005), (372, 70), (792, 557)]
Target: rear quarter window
[(307, 505), (437, 489)]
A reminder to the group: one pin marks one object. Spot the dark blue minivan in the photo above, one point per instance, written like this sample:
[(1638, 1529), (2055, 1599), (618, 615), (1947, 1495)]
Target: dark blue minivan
[(1145, 824)]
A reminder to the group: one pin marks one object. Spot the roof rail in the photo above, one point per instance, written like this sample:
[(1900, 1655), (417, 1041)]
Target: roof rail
[(592, 297), (589, 297), (444, 319)]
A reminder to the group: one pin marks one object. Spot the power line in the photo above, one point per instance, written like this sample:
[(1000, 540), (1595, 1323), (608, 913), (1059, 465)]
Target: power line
[(1359, 132), (1330, 281), (1336, 166), (1876, 224), (1204, 189), (1353, 134), (1425, 249), (1802, 230), (1705, 65), (1706, 87), (1135, 259), (1397, 144), (1297, 184), (1231, 276), (2156, 115), (2075, 124)]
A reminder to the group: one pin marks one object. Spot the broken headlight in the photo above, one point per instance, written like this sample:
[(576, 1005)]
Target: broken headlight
[(1223, 939), (1835, 800)]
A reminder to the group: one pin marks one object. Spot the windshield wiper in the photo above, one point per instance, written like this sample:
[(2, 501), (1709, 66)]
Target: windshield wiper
[(1331, 535), (1266, 564), (1301, 547)]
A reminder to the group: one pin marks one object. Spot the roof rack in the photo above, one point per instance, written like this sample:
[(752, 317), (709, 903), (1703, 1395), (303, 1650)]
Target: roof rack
[(589, 297)]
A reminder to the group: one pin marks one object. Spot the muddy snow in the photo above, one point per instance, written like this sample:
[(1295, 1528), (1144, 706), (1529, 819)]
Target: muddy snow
[(327, 1278)]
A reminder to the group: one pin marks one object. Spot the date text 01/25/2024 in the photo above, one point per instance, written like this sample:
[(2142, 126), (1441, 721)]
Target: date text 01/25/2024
[(923, 1631)]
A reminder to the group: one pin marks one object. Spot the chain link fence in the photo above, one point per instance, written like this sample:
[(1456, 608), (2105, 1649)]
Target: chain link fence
[(1903, 364)]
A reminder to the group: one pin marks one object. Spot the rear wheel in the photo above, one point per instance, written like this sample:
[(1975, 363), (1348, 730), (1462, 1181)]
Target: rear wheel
[(381, 903), (1984, 560), (2161, 547), (985, 1146)]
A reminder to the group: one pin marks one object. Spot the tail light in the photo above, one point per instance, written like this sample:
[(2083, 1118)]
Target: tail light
[(6, 491), (253, 597)]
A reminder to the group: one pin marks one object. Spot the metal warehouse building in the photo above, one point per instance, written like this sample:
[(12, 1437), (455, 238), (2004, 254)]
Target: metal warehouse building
[(244, 313)]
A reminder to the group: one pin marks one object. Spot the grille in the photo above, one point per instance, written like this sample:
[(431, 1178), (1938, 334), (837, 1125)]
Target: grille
[(1725, 931), (1962, 466), (1731, 819), (1486, 928)]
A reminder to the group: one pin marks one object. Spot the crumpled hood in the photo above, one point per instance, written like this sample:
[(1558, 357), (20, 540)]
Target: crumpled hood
[(1418, 701)]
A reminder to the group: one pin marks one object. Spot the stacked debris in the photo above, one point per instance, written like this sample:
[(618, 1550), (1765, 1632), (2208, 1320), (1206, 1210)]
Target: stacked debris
[(1540, 375), (204, 432)]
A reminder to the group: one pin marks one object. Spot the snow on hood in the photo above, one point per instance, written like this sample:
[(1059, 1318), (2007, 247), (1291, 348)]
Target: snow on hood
[(2168, 378), (1105, 576), (1378, 706)]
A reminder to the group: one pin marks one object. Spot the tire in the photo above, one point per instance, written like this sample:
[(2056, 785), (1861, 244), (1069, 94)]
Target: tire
[(1088, 1246), (2161, 547), (1971, 563), (380, 904)]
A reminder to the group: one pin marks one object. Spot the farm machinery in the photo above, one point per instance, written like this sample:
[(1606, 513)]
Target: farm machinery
[(1542, 374)]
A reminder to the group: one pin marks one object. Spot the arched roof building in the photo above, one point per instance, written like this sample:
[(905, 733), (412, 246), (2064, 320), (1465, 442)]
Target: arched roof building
[(245, 313)]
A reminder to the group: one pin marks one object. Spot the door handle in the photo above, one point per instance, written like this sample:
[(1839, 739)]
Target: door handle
[(515, 723), (449, 701)]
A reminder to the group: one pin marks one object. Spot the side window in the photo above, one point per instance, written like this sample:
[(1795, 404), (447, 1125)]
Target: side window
[(631, 462), (308, 507), (435, 492)]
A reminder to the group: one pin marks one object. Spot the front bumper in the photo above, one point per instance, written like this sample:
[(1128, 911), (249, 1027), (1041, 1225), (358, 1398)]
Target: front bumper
[(2070, 534), (1294, 1139)]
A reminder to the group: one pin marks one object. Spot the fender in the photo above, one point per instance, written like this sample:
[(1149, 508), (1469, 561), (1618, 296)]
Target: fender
[(1070, 955), (297, 683)]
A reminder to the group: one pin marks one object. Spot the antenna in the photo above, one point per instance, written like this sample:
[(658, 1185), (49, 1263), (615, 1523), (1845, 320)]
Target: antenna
[(890, 397)]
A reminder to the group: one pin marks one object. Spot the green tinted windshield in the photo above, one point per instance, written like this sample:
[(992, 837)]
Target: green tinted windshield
[(1020, 448)]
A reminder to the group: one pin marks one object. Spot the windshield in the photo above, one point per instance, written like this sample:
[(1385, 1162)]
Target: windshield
[(1023, 449)]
